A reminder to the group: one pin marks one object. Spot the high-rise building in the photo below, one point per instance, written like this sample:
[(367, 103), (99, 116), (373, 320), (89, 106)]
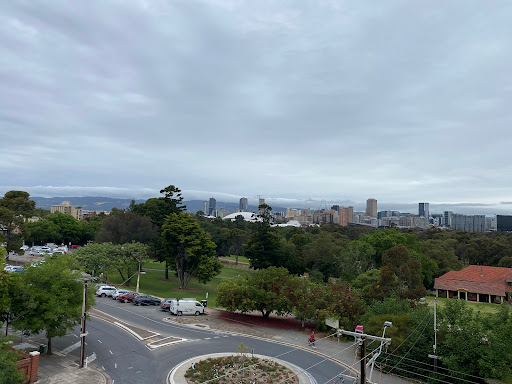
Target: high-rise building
[(423, 210), (212, 210), (205, 207), (260, 202), (504, 223), (371, 207), (243, 204), (345, 215)]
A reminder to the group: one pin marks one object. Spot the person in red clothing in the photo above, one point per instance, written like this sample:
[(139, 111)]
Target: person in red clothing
[(312, 340)]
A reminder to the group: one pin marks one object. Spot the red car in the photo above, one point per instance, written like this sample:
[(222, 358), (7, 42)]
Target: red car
[(73, 246), (127, 297)]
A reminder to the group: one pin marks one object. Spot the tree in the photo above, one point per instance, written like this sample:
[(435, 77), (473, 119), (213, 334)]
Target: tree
[(54, 298), (407, 271), (126, 227), (263, 248), (381, 241), (322, 251), (267, 290), (9, 370), (356, 258), (42, 231), (190, 248), (68, 228), (15, 206), (96, 258), (237, 238)]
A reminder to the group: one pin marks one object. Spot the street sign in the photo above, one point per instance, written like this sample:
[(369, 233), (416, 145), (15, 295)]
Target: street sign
[(333, 323), (84, 334)]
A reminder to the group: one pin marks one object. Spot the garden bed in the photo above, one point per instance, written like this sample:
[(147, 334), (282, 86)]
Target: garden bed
[(240, 369)]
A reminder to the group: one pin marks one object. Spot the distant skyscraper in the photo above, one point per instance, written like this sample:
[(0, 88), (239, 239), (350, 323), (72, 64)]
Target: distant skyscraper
[(243, 204), (423, 210), (371, 207), (260, 202), (212, 207), (205, 207)]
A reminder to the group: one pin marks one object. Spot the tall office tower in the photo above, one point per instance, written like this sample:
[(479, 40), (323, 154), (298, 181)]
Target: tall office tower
[(371, 207), (205, 207), (260, 202), (345, 215), (423, 210), (447, 222), (243, 204), (212, 207)]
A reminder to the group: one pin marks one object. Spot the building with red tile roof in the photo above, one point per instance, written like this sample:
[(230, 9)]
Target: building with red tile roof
[(476, 283)]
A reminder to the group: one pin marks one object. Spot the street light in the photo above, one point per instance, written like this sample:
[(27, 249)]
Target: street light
[(139, 260)]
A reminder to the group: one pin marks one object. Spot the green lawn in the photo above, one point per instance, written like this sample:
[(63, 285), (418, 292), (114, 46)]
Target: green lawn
[(482, 307), (154, 283)]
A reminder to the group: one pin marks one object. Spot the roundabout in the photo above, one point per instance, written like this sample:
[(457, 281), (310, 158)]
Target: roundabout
[(293, 374)]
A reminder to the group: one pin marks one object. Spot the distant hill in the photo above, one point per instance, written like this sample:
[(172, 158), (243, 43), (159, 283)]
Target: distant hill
[(94, 203)]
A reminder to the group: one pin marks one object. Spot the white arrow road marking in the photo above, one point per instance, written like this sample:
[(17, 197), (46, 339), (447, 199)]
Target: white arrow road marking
[(71, 348)]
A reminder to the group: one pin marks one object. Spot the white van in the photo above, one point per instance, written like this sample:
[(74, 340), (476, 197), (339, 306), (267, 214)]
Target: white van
[(186, 307)]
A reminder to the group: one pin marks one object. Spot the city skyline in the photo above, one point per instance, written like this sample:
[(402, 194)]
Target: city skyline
[(300, 103)]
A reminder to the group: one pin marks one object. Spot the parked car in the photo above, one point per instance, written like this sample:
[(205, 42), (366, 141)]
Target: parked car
[(35, 253), (9, 268), (25, 248), (58, 252), (146, 300), (165, 304), (127, 297), (73, 246), (118, 292), (105, 291)]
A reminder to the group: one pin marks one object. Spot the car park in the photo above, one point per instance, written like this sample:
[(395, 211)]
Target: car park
[(146, 300), (73, 246), (127, 297), (105, 291), (35, 253), (165, 304), (119, 292), (9, 268), (25, 248)]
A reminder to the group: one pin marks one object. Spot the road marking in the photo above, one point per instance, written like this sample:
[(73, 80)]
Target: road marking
[(225, 336), (115, 365), (130, 367), (91, 358), (110, 352), (207, 338), (103, 367), (71, 348), (99, 341), (217, 337)]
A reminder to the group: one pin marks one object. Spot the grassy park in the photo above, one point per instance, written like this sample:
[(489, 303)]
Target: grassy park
[(482, 307), (153, 282)]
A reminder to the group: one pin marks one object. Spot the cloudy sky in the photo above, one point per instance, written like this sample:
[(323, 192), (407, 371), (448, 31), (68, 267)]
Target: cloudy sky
[(296, 101)]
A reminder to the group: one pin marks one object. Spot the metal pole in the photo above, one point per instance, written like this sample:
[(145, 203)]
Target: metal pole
[(138, 278), (363, 359), (82, 335), (435, 335)]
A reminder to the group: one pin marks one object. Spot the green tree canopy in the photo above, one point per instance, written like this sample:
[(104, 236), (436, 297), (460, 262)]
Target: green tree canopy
[(54, 298), (189, 248), (126, 227)]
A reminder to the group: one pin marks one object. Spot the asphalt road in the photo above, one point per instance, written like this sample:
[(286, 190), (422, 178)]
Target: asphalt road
[(128, 360)]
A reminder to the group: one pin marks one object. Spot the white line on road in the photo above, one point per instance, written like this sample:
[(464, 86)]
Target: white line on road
[(99, 341), (115, 365), (91, 358), (110, 352), (207, 338), (71, 348), (217, 337), (103, 367)]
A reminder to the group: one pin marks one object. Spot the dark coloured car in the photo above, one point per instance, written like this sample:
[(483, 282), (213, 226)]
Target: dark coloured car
[(164, 306), (146, 300), (127, 297)]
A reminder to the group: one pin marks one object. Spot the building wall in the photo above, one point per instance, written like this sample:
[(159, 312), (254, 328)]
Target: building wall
[(345, 215)]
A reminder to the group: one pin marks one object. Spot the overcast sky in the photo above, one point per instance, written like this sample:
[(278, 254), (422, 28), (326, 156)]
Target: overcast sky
[(402, 101)]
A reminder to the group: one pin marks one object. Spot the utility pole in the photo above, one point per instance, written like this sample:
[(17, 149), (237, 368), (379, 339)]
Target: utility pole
[(138, 277), (363, 359), (83, 333), (434, 356)]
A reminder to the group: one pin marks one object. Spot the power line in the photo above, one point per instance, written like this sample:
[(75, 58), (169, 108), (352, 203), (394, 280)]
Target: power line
[(446, 369), (438, 373)]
